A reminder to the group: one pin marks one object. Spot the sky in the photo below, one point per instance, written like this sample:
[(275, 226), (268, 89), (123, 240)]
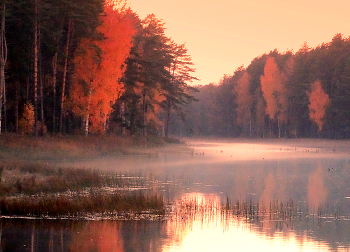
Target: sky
[(222, 35)]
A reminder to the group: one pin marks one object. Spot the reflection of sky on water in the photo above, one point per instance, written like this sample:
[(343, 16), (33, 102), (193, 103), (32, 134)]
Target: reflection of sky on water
[(200, 225), (313, 175)]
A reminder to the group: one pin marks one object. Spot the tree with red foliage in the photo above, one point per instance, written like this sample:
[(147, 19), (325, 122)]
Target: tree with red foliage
[(319, 101), (99, 65), (272, 85)]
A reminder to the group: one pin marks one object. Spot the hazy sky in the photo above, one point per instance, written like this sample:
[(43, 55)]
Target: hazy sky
[(222, 35)]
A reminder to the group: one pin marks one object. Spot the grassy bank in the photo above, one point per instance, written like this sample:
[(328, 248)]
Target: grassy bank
[(30, 187), (30, 148)]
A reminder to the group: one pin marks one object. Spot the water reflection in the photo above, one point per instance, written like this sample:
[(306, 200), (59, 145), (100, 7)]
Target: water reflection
[(237, 196), (316, 191), (98, 236), (200, 224)]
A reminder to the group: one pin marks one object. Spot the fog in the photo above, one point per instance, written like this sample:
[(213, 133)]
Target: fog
[(199, 177), (312, 171), (203, 151)]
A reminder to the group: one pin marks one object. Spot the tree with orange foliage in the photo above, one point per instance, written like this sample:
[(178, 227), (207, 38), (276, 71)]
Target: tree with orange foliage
[(99, 65), (243, 100), (272, 85), (86, 63), (319, 101)]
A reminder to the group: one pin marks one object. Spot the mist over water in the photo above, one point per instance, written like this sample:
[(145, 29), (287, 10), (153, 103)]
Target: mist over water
[(297, 193)]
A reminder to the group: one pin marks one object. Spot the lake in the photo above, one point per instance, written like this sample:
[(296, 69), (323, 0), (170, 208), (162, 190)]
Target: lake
[(232, 195)]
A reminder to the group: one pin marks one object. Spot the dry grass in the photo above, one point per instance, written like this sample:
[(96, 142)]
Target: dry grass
[(30, 187), (30, 148), (79, 206), (34, 179), (37, 190)]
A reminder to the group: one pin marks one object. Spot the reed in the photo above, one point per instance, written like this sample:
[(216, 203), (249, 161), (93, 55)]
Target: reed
[(43, 190), (80, 206), (273, 210)]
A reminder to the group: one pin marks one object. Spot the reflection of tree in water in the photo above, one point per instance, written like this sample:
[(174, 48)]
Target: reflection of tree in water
[(316, 191), (98, 236), (81, 236), (34, 235)]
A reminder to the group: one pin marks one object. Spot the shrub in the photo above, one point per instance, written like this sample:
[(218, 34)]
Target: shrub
[(26, 122)]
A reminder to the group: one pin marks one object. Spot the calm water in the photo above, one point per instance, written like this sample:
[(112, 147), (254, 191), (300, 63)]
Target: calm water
[(297, 196)]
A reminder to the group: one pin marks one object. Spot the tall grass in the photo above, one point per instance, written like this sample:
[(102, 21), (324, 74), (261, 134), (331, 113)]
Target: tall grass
[(42, 190), (79, 206)]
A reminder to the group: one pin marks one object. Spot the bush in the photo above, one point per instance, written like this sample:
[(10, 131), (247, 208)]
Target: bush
[(26, 122)]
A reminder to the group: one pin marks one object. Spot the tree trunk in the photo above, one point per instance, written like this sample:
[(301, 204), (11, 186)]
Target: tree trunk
[(54, 82), (16, 109), (65, 74), (36, 69), (5, 108), (3, 59), (250, 123), (144, 111), (167, 120), (41, 104), (87, 116), (27, 94)]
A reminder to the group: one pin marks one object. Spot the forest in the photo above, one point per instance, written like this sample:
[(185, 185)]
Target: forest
[(305, 94), (88, 67), (94, 67)]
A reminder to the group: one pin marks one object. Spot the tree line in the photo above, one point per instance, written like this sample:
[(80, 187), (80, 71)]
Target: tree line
[(93, 66), (293, 95), (88, 66)]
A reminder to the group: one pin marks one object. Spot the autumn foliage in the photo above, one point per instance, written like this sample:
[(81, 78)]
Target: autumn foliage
[(26, 122), (319, 101), (272, 87), (99, 65)]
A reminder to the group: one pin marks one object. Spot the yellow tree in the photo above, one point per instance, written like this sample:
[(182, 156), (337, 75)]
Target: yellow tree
[(319, 101), (243, 100)]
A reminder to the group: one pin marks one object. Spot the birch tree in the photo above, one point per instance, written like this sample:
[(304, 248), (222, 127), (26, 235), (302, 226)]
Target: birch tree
[(319, 101), (99, 65), (274, 93)]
